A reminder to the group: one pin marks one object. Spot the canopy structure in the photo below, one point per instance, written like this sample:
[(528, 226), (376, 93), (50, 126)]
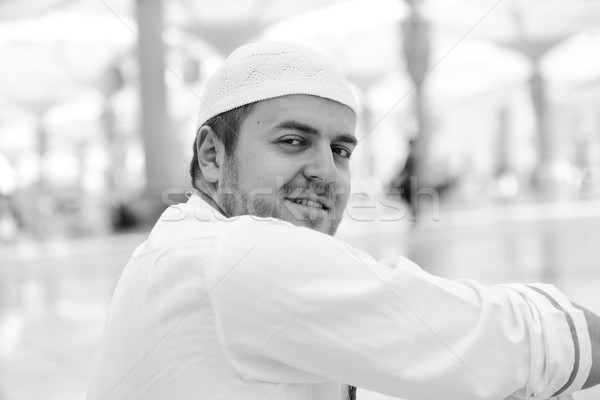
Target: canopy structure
[(134, 70)]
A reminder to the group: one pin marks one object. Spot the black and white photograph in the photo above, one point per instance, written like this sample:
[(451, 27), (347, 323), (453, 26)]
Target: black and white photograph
[(299, 200)]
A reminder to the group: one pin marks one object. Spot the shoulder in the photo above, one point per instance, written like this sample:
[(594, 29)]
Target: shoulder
[(276, 234), (266, 248)]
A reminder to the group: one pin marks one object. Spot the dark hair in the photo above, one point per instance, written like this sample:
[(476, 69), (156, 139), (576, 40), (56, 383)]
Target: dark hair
[(226, 126)]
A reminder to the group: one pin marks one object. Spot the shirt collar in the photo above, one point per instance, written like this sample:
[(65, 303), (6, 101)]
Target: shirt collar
[(208, 201), (204, 207)]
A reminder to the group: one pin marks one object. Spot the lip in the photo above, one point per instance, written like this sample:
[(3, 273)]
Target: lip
[(310, 202)]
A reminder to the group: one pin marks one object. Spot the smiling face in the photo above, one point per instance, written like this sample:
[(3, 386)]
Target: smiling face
[(291, 162)]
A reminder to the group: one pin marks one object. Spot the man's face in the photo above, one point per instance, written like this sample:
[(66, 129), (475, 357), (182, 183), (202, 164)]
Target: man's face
[(292, 162)]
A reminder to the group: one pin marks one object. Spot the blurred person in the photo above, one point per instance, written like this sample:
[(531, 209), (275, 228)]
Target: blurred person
[(9, 224), (9, 227), (406, 182), (243, 292)]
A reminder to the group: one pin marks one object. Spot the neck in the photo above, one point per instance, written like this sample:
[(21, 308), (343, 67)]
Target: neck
[(207, 198)]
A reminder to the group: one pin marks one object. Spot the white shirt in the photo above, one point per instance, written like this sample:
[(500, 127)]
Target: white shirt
[(252, 308)]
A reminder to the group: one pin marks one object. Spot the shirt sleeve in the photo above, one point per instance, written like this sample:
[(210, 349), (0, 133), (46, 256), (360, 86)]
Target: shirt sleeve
[(296, 306)]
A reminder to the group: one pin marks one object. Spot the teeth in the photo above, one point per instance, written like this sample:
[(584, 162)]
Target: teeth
[(308, 203)]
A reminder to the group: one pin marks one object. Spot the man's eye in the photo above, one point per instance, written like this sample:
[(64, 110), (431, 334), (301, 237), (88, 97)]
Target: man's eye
[(292, 141), (342, 152)]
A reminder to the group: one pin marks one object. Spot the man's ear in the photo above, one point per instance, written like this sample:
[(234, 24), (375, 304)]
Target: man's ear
[(211, 153)]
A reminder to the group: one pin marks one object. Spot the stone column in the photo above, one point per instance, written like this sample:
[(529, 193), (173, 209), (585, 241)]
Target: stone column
[(154, 119), (416, 49)]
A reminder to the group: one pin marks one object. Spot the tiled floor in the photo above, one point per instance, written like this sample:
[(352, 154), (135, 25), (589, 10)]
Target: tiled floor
[(54, 295)]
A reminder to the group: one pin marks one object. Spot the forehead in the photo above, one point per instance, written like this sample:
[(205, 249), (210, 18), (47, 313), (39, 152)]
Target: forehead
[(324, 115)]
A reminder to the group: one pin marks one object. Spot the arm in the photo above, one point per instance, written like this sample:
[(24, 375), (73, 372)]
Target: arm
[(593, 322), (297, 306)]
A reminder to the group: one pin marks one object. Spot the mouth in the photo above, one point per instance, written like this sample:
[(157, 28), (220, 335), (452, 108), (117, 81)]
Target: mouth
[(310, 203)]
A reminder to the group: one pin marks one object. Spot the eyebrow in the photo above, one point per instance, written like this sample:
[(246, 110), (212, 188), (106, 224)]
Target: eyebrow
[(310, 130)]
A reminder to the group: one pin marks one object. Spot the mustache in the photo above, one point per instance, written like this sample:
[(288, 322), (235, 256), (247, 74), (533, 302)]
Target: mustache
[(312, 188)]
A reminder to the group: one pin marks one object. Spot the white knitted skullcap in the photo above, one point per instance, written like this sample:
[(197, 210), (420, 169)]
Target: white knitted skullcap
[(260, 71)]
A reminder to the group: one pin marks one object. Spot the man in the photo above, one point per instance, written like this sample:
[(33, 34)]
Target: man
[(232, 297)]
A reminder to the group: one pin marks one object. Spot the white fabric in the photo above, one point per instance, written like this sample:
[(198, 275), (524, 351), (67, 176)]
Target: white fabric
[(260, 71), (251, 308)]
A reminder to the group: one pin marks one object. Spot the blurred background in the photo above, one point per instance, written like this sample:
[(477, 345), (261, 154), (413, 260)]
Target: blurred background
[(479, 149)]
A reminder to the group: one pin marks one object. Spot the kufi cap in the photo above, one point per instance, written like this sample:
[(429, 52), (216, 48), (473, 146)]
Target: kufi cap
[(261, 71)]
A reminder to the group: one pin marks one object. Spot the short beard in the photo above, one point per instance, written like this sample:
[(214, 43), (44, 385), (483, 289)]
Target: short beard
[(235, 202)]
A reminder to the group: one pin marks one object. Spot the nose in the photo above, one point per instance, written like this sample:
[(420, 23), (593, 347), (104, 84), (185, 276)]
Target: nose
[(321, 166)]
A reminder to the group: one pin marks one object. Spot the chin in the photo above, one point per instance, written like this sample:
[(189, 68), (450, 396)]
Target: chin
[(327, 227)]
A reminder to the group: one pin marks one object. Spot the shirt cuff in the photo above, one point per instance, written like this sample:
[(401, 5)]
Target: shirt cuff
[(580, 339)]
